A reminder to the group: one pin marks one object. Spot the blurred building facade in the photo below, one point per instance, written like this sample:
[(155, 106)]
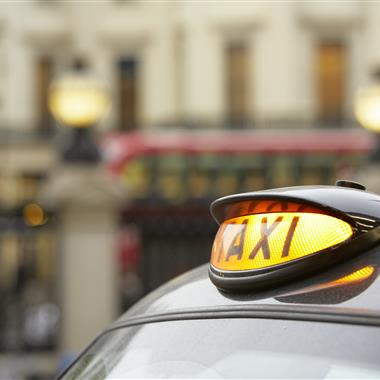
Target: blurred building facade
[(178, 63), (191, 65)]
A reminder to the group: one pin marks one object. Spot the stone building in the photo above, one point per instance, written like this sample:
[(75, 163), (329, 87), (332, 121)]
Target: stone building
[(178, 63)]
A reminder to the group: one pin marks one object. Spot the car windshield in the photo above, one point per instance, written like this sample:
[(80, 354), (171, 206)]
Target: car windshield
[(232, 348)]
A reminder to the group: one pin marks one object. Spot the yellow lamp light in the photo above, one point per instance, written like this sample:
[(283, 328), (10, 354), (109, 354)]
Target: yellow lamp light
[(34, 215), (367, 107), (77, 100)]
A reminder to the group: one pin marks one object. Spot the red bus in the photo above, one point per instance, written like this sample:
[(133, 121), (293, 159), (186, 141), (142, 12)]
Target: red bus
[(180, 165)]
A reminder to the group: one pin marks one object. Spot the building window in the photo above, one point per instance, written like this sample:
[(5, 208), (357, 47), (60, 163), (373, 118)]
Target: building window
[(127, 72), (44, 75), (237, 84), (331, 72)]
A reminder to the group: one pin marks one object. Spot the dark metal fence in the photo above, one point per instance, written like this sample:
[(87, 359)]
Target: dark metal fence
[(173, 239)]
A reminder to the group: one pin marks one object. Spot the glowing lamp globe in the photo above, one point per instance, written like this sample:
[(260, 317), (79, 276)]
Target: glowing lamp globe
[(367, 107), (77, 100)]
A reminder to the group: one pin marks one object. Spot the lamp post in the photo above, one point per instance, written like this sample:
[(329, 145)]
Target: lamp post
[(367, 111), (88, 212), (78, 101)]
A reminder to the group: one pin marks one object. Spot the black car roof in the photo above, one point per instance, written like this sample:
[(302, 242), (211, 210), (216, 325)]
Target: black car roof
[(193, 291)]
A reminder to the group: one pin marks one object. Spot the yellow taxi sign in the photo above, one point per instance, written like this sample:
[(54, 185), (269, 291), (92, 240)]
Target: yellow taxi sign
[(267, 239), (271, 237)]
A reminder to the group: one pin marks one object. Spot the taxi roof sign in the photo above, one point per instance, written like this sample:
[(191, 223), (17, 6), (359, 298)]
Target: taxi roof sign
[(272, 236), (263, 240)]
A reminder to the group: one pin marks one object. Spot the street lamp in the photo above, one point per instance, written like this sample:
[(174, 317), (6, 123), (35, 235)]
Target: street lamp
[(87, 200), (78, 101), (367, 110)]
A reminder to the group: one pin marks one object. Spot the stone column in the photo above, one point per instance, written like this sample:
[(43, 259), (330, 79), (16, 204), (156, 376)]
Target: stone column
[(278, 73), (86, 202), (372, 29)]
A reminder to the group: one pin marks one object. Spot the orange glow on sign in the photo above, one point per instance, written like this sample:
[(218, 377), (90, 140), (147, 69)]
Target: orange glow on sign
[(263, 240), (355, 277)]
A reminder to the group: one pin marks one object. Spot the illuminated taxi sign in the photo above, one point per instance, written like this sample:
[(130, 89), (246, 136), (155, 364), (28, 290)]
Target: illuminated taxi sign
[(263, 240), (271, 237)]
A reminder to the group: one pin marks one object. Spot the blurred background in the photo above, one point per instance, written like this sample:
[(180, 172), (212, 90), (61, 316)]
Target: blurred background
[(121, 120)]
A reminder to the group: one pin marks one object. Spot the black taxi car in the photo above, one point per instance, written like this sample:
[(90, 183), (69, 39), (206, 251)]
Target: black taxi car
[(291, 291)]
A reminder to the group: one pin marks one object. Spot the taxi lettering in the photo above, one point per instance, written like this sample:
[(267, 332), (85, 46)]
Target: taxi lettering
[(263, 243), (258, 241), (236, 247)]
